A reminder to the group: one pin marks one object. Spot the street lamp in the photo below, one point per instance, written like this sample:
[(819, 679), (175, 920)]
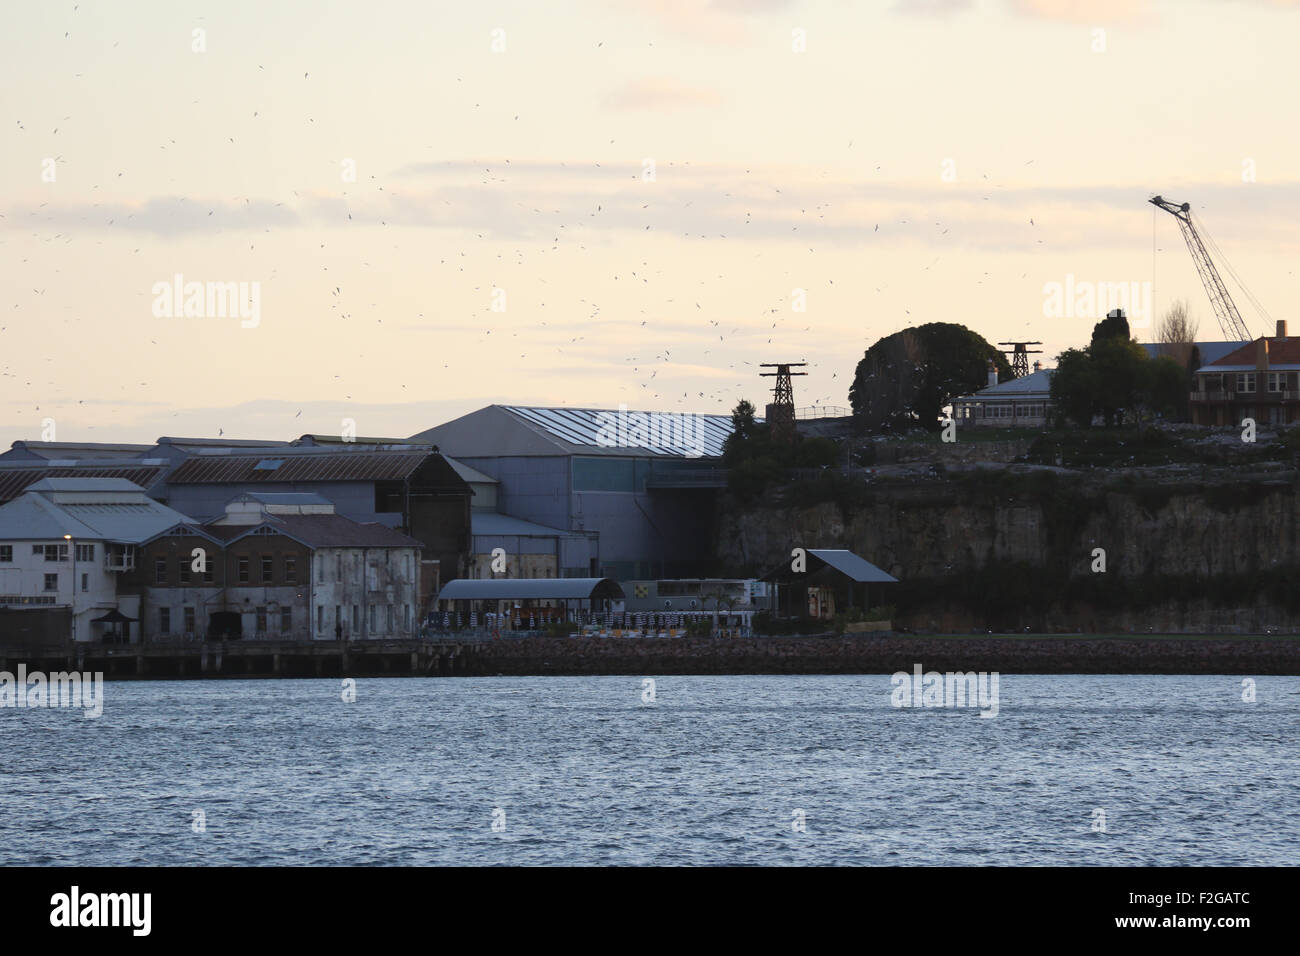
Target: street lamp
[(72, 548)]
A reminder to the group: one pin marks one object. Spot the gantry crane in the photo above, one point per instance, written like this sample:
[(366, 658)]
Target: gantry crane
[(1224, 308)]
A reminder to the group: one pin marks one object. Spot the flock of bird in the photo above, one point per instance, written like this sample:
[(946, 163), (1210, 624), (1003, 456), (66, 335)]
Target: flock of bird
[(680, 344)]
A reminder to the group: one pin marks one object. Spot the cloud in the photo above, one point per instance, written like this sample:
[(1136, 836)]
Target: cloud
[(719, 21), (1086, 11), (587, 202), (932, 7), (661, 94)]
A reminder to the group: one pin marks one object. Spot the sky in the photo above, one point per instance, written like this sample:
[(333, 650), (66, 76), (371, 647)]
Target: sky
[(439, 206)]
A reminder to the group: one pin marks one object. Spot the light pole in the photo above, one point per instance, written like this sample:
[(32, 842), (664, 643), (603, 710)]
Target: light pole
[(73, 603)]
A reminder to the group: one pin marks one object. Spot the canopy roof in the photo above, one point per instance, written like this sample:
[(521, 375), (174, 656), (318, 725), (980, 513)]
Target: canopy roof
[(507, 589), (845, 562)]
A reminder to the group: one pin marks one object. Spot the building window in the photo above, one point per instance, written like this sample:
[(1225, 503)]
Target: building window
[(85, 583), (55, 552), (6, 553), (372, 618), (388, 609), (189, 620), (85, 552), (406, 616), (1246, 382), (51, 582), (209, 569), (290, 570), (355, 618), (184, 570), (160, 571), (164, 620), (1276, 381), (261, 620), (267, 574), (286, 619), (243, 569), (338, 616)]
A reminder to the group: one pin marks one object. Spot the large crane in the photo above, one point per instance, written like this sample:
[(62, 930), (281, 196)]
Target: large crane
[(1224, 308)]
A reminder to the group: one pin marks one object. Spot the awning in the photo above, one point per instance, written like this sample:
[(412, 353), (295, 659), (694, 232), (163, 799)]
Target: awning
[(530, 589), (846, 562), (114, 617)]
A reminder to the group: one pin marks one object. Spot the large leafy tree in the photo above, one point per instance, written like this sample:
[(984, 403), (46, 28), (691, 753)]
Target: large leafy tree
[(905, 379)]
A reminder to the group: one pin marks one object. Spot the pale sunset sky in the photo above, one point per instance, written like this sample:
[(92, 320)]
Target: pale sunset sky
[(890, 169)]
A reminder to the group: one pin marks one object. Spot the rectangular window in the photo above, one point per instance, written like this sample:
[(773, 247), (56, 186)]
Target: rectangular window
[(1246, 382), (290, 570), (56, 552), (184, 570), (6, 553), (388, 609), (355, 619), (85, 583), (604, 474), (406, 616), (85, 552), (286, 619), (320, 619), (338, 616), (1276, 381), (372, 618), (261, 620), (243, 569), (209, 568), (267, 573), (38, 549), (189, 620), (160, 571), (164, 620), (51, 582)]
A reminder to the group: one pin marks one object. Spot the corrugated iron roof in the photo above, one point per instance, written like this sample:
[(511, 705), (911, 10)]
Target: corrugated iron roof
[(674, 434), (538, 589), (331, 466), (14, 480), (321, 531)]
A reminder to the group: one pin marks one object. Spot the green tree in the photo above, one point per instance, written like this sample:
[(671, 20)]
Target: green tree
[(1074, 387), (1118, 368), (905, 379)]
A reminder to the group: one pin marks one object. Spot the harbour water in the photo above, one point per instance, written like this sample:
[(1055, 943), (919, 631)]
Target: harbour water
[(713, 770)]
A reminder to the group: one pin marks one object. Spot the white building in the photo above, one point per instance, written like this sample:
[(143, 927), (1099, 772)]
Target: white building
[(64, 544), (1024, 401)]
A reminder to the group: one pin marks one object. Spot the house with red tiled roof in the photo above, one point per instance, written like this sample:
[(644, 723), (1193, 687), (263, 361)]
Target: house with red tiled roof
[(1259, 380)]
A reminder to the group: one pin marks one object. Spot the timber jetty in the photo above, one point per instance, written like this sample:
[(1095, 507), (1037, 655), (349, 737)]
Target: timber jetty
[(558, 656)]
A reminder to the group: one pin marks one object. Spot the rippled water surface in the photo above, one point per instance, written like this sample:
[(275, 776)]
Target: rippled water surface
[(582, 771)]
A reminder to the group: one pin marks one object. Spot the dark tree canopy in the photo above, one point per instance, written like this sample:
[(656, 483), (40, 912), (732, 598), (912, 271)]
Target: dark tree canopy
[(1112, 327), (904, 380)]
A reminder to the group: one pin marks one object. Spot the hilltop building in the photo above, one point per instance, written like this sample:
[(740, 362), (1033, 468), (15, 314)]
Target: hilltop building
[(1259, 380)]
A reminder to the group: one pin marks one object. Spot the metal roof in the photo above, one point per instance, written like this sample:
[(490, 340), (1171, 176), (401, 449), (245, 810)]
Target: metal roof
[(469, 474), (495, 524), (1035, 383), (130, 516), (676, 434), (540, 589), (859, 569), (14, 480), (83, 449), (323, 531), (1210, 351), (330, 466), (284, 498), (496, 431), (845, 562)]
